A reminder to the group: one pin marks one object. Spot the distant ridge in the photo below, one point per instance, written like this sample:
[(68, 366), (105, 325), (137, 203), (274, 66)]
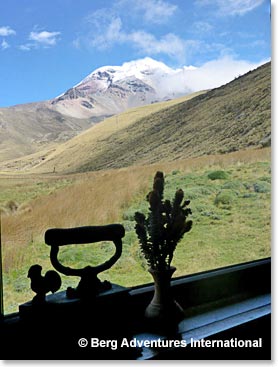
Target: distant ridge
[(29, 128), (109, 90), (89, 143), (233, 117)]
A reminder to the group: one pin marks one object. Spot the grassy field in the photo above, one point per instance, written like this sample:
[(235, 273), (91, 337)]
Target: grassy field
[(230, 201)]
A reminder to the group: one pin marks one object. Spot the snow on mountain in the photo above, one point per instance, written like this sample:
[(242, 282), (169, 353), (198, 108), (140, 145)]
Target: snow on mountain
[(140, 69), (154, 73), (107, 91), (112, 89)]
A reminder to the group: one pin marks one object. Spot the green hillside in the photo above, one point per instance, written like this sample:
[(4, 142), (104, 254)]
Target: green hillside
[(233, 117)]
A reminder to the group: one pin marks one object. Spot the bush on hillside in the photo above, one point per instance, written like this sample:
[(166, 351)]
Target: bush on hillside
[(12, 206), (262, 187), (218, 175), (233, 185), (224, 197)]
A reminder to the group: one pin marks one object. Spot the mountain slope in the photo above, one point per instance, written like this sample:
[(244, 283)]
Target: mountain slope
[(87, 144), (25, 129), (109, 90), (113, 89), (232, 117)]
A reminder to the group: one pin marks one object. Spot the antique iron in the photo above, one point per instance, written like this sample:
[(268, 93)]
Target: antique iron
[(89, 285)]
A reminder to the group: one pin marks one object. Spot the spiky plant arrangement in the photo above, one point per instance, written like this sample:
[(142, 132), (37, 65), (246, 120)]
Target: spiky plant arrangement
[(164, 227)]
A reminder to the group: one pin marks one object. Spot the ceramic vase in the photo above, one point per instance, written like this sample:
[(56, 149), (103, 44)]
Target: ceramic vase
[(163, 311)]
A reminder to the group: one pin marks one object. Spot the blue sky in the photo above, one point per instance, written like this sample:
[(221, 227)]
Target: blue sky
[(46, 47)]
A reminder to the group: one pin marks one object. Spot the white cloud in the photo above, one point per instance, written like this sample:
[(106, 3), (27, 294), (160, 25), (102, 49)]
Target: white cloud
[(102, 23), (7, 31), (4, 45), (26, 47), (169, 44), (210, 75), (40, 39), (146, 42), (154, 11), (201, 27), (108, 31), (110, 27), (217, 72), (231, 7), (44, 38)]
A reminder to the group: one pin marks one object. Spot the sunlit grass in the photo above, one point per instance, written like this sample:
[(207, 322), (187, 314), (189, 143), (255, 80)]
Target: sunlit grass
[(222, 234)]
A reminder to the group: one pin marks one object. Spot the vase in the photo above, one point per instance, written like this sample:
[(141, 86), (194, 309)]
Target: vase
[(163, 311)]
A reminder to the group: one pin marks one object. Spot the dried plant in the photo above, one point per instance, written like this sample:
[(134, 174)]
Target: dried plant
[(164, 227)]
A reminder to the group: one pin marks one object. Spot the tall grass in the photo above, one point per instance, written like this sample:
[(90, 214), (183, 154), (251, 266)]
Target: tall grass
[(112, 196), (97, 198)]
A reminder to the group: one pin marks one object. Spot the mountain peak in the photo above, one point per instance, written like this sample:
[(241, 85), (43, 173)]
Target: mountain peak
[(145, 64), (109, 90), (136, 68), (112, 89)]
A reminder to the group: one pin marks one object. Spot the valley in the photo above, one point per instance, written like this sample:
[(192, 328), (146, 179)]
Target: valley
[(213, 144)]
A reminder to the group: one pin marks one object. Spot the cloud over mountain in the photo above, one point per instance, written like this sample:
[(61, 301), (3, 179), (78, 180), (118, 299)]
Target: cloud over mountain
[(110, 90)]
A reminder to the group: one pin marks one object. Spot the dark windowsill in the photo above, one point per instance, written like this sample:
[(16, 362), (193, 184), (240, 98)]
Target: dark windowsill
[(218, 303), (230, 302), (209, 324)]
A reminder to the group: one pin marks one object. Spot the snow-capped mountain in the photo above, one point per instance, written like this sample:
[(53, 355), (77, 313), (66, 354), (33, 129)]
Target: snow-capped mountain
[(113, 89), (28, 128), (109, 90)]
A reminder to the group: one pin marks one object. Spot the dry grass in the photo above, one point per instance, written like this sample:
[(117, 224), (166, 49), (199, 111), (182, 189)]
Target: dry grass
[(97, 198), (113, 196)]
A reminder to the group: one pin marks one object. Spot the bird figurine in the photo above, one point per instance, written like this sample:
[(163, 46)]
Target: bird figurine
[(41, 285)]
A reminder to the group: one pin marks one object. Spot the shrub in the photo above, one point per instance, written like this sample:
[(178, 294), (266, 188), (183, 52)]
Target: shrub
[(247, 185), (197, 191), (130, 238), (262, 187), (128, 215), (233, 185), (211, 215), (12, 205), (248, 195), (224, 197), (218, 175), (191, 194), (129, 225), (266, 178), (20, 285), (205, 190)]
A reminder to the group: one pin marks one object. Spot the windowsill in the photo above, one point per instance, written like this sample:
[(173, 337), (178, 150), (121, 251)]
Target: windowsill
[(213, 322), (230, 302)]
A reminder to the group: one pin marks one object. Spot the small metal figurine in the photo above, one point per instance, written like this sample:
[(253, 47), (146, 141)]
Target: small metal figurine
[(41, 285)]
